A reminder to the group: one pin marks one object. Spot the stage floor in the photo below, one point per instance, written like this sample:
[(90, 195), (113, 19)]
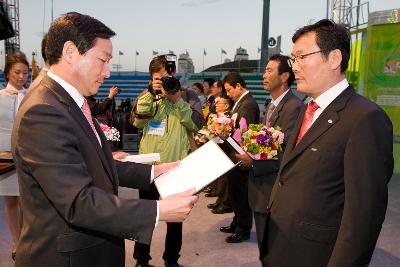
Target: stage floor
[(204, 245)]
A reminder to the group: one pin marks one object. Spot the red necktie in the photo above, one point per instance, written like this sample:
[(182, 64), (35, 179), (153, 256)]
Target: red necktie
[(86, 111), (307, 119)]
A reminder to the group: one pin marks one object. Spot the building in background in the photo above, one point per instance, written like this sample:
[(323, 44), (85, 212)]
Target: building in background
[(185, 63), (241, 54)]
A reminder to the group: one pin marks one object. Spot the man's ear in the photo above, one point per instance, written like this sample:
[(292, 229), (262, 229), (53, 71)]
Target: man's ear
[(69, 51), (335, 59), (285, 77)]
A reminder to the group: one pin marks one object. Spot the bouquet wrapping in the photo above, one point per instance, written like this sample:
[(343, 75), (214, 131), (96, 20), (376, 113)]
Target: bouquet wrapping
[(111, 133)]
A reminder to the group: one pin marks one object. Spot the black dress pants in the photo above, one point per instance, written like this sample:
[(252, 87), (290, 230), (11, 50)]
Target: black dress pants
[(173, 239), (238, 194)]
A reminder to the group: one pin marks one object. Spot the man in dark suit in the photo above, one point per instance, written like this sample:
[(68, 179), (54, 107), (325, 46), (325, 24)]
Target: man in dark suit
[(68, 180), (245, 107), (282, 111), (329, 200)]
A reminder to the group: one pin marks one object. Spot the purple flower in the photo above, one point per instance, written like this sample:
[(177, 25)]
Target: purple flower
[(261, 139)]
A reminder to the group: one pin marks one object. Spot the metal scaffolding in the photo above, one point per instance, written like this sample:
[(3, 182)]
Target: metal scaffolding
[(353, 15), (12, 44)]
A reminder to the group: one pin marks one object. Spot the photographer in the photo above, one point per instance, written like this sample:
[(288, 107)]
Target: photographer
[(168, 121)]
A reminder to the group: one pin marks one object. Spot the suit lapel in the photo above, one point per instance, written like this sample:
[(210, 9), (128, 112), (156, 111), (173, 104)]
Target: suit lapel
[(107, 154), (78, 116), (325, 121), (278, 109)]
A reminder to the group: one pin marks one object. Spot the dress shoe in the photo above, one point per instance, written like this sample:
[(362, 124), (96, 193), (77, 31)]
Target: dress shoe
[(211, 194), (237, 238), (171, 264), (213, 205), (142, 264), (222, 210), (227, 229)]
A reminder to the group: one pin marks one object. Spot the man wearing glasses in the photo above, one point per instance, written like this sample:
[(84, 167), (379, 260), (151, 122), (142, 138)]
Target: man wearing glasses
[(330, 196)]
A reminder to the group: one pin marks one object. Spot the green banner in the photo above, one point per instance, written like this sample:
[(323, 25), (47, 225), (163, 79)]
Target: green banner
[(380, 73)]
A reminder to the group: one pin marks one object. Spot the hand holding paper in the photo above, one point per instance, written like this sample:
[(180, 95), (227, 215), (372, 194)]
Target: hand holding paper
[(119, 155), (176, 208), (164, 167)]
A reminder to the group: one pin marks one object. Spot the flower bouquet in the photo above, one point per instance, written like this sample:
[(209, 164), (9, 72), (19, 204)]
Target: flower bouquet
[(262, 142), (220, 125), (111, 133)]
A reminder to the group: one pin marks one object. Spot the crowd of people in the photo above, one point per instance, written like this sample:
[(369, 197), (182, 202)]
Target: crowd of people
[(320, 202)]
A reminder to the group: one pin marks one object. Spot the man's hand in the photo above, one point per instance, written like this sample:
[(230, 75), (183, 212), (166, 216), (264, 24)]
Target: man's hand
[(113, 92), (118, 155), (245, 159), (176, 208), (164, 167)]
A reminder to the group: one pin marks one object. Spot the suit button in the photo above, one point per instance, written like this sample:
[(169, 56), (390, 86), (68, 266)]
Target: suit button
[(280, 183)]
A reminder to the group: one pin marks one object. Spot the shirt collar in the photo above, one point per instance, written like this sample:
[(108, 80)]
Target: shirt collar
[(11, 90), (279, 99), (71, 90), (240, 98), (329, 95)]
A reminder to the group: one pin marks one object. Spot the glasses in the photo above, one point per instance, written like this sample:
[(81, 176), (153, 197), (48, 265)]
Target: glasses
[(300, 58)]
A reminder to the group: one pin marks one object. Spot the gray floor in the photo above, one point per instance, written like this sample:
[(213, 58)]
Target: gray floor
[(204, 245)]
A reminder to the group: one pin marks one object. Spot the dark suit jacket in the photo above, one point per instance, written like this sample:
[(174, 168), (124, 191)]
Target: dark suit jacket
[(99, 108), (246, 108), (68, 183), (263, 173), (329, 200)]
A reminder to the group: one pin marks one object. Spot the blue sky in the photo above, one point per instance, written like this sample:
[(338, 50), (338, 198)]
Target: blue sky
[(179, 25)]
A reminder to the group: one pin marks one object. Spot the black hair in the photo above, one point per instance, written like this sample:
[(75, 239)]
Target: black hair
[(329, 36), (80, 29), (234, 78)]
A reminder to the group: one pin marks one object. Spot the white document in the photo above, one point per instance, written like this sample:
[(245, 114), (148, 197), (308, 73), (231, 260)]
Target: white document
[(142, 158), (235, 145), (197, 170)]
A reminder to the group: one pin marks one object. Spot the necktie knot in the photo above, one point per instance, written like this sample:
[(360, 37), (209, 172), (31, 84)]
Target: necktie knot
[(312, 107)]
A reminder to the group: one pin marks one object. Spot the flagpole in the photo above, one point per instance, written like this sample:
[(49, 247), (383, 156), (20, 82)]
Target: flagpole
[(135, 63), (220, 67), (119, 61), (203, 60)]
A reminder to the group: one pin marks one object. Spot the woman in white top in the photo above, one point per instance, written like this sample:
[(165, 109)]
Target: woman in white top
[(16, 75)]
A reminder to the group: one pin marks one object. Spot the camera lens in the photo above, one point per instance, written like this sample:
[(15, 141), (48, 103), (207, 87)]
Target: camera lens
[(171, 84)]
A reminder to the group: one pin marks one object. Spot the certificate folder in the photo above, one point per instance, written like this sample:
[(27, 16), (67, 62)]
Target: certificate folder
[(234, 145), (197, 170)]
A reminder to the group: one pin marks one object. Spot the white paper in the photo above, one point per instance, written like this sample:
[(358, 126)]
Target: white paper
[(197, 170), (142, 158), (235, 145)]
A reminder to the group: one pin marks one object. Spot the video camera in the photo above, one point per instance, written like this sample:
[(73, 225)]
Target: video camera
[(170, 83)]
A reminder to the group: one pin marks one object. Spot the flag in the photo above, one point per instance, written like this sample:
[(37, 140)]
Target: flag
[(223, 51), (120, 53), (137, 53), (155, 53), (35, 68), (204, 52)]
